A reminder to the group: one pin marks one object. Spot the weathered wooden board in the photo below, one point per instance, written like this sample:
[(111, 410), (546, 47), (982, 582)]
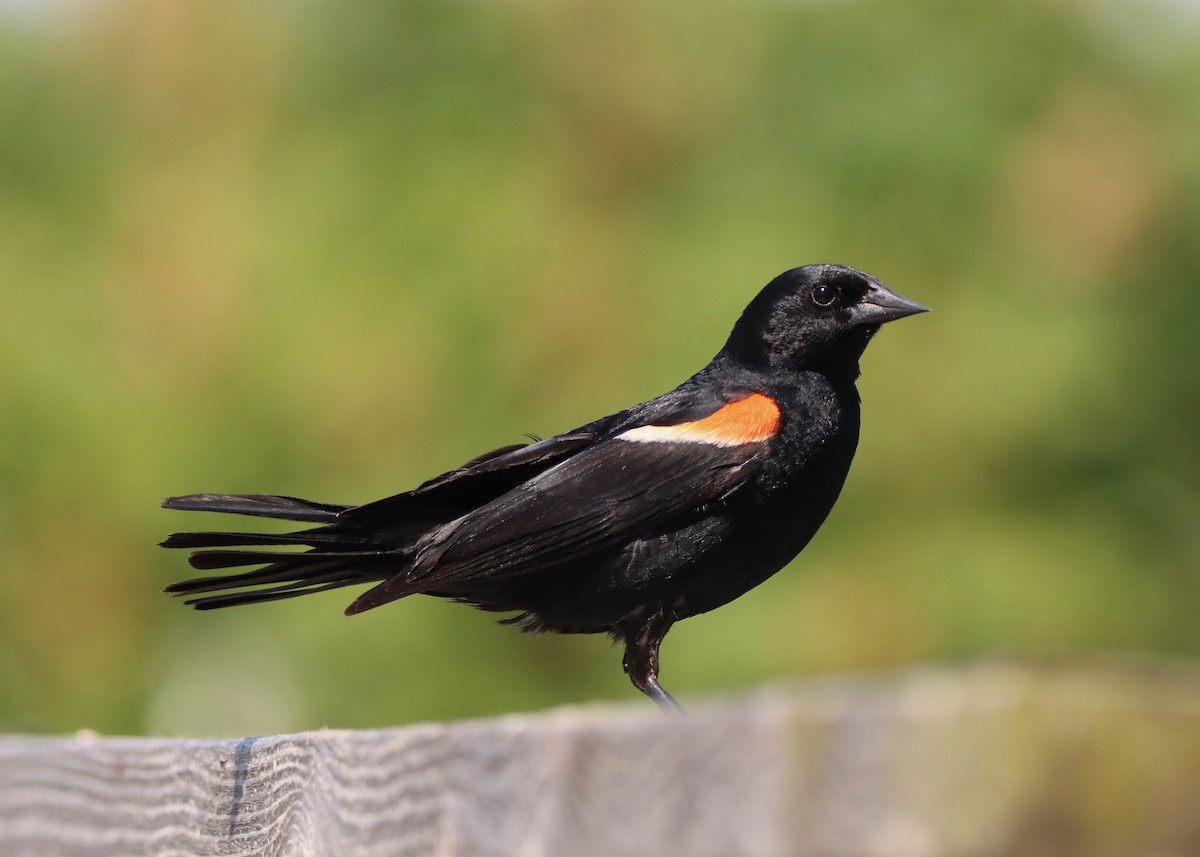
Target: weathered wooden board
[(987, 760)]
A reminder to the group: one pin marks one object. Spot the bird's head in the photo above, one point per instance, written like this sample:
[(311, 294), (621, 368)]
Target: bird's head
[(816, 317)]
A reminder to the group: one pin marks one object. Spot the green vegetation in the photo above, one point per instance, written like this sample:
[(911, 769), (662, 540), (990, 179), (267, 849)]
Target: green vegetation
[(331, 249)]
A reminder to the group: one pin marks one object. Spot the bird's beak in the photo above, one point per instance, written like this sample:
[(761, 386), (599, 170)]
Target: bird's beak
[(879, 305)]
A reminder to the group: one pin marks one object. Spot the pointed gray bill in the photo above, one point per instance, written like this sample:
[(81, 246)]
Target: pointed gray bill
[(880, 304)]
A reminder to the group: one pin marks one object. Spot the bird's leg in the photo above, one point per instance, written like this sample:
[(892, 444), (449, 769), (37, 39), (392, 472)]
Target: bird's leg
[(641, 661), (662, 699)]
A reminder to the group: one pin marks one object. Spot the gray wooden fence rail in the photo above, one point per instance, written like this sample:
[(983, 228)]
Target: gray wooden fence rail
[(986, 760)]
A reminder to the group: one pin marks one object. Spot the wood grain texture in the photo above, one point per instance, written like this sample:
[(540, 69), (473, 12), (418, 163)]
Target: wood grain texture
[(989, 760)]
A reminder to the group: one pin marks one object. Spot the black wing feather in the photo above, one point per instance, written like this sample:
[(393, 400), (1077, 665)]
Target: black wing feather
[(480, 480), (594, 502)]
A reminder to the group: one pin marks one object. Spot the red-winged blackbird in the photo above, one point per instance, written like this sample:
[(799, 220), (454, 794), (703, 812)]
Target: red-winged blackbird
[(623, 526)]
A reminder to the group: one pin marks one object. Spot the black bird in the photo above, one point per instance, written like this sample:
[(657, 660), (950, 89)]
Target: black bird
[(623, 526)]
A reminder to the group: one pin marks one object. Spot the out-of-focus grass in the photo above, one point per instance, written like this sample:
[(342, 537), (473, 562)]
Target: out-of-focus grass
[(329, 251)]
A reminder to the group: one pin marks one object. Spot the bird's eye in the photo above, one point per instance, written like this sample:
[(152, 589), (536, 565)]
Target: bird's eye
[(824, 295)]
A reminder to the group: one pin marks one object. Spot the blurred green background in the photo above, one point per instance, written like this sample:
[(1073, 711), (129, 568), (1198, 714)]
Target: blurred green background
[(323, 249)]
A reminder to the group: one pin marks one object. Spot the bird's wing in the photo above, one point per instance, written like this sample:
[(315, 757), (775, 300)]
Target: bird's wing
[(632, 484), (457, 491)]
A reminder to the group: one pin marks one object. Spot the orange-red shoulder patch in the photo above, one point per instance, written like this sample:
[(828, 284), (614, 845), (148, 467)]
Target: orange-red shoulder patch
[(749, 420)]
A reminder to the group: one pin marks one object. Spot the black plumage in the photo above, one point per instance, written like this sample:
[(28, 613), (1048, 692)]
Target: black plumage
[(623, 526)]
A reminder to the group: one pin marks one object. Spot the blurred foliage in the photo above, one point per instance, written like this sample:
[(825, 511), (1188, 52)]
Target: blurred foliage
[(331, 249)]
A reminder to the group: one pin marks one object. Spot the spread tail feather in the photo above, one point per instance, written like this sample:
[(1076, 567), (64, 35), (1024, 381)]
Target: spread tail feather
[(312, 538), (338, 556), (258, 505), (286, 575)]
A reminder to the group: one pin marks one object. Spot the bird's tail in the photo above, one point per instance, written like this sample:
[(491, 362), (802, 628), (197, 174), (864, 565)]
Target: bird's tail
[(337, 556)]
